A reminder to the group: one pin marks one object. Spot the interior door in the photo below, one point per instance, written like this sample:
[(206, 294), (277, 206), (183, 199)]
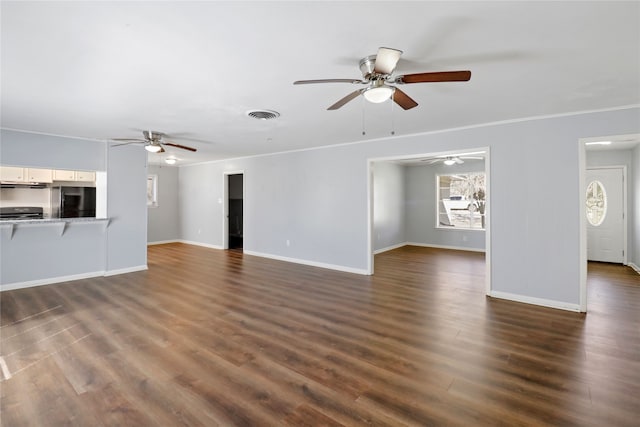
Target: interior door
[(605, 215)]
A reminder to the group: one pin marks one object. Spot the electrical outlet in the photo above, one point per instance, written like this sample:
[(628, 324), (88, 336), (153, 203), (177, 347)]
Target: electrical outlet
[(288, 242)]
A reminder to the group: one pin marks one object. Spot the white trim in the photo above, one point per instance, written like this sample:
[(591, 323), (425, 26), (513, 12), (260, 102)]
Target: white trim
[(487, 229), (455, 248), (370, 251), (125, 270), (635, 267), (487, 221), (205, 245), (535, 301), (390, 248), (310, 263), (433, 132), (50, 280), (582, 221), (163, 242)]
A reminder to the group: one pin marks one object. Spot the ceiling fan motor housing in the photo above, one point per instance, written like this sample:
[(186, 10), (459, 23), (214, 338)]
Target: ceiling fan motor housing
[(367, 65)]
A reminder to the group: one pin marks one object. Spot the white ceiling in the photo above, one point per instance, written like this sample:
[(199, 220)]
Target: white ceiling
[(193, 69)]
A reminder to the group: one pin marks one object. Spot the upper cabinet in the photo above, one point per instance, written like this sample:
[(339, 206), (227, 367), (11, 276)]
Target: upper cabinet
[(39, 175), (28, 175), (89, 176), (10, 173), (64, 175), (18, 174)]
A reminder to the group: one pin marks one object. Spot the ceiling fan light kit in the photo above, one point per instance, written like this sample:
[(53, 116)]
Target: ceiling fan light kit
[(153, 148), (377, 73), (379, 92)]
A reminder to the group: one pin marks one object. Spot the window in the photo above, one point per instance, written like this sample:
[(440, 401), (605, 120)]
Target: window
[(596, 203), (461, 201), (152, 191)]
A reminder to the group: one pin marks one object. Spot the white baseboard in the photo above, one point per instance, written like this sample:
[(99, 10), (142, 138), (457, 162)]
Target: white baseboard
[(310, 263), (635, 267), (163, 242), (50, 280), (535, 301), (126, 270), (389, 248), (206, 245), (455, 248)]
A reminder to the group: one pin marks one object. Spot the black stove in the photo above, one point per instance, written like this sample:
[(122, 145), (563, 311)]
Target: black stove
[(21, 212)]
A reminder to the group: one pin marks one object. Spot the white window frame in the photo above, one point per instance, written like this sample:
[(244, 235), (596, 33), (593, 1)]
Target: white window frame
[(438, 201), (152, 191)]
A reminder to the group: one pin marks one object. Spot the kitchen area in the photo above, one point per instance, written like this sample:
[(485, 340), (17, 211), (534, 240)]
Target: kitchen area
[(92, 239), (28, 194)]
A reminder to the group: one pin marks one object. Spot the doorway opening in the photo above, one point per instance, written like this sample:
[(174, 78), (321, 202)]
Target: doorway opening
[(404, 201), (605, 223), (234, 210)]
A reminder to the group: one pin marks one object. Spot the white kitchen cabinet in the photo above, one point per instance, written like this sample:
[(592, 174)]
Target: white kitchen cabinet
[(11, 173), (64, 175), (39, 175), (85, 176)]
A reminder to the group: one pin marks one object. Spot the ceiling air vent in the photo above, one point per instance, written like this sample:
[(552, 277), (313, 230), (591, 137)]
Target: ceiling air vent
[(263, 114)]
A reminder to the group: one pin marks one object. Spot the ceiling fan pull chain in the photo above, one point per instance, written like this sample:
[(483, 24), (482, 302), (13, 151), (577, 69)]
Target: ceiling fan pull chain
[(363, 106), (393, 123)]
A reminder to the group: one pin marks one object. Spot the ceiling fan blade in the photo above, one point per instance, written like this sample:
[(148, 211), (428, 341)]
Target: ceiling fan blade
[(184, 147), (306, 82), (403, 100), (127, 143), (346, 99), (128, 139), (430, 161), (439, 76), (386, 60), (458, 160)]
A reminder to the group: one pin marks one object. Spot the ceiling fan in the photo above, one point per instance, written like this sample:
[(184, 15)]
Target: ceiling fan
[(377, 75), (451, 160), (153, 142)]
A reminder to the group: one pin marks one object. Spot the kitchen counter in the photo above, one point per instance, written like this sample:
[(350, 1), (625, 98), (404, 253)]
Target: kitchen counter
[(60, 223), (49, 221)]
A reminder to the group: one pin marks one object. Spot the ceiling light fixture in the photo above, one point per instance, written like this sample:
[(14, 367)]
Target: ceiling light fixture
[(170, 161), (378, 94), (153, 148), (449, 161), (598, 143)]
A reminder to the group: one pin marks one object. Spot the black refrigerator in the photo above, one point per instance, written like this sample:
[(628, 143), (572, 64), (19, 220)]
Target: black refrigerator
[(73, 202)]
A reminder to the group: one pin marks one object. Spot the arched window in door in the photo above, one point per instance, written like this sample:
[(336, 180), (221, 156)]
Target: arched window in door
[(596, 203)]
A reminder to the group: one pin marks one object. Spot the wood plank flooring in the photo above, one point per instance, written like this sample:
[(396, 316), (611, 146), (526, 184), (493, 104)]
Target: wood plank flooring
[(208, 337)]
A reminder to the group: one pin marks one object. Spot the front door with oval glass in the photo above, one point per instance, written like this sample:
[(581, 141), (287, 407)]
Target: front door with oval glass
[(605, 218)]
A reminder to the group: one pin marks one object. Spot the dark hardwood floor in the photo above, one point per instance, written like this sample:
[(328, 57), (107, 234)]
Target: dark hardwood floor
[(208, 337)]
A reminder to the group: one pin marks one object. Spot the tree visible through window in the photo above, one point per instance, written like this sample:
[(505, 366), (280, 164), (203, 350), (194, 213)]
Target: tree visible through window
[(461, 201)]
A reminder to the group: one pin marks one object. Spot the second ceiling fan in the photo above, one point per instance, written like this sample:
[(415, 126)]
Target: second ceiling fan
[(377, 75), (153, 142)]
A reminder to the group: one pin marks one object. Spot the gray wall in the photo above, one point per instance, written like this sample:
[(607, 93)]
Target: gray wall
[(421, 208), (41, 253), (621, 158), (388, 205), (163, 220), (317, 199)]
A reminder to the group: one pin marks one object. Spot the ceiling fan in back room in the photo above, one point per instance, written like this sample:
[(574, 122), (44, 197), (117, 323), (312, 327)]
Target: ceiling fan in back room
[(381, 84), (153, 141), (451, 160)]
